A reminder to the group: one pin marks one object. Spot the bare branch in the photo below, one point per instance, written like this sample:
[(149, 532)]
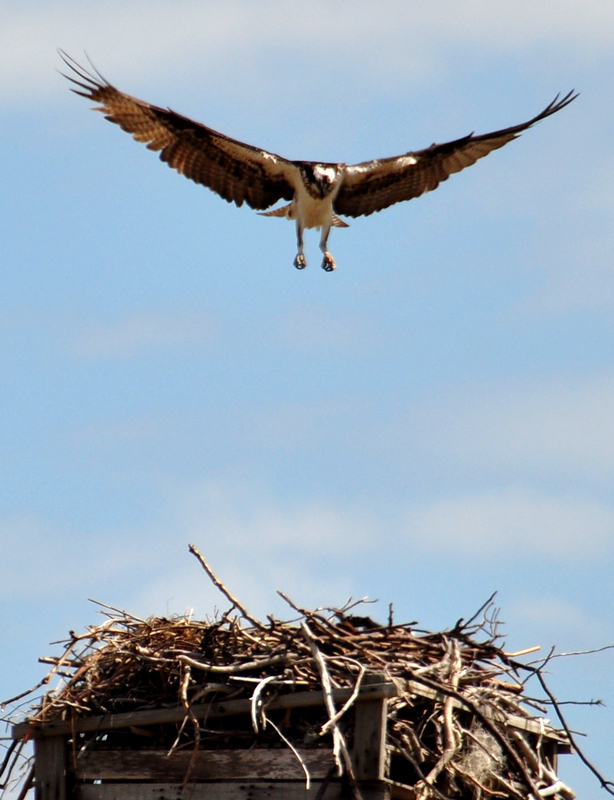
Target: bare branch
[(218, 583)]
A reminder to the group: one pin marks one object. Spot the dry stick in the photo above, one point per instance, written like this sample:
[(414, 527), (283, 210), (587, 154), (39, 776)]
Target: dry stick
[(27, 784), (583, 652), (231, 669), (605, 784), (432, 789), (218, 583), (481, 786), (490, 726), (509, 786), (294, 750), (7, 758), (412, 744), (325, 783), (17, 697), (543, 770), (327, 689), (451, 742), (183, 693), (124, 614), (461, 624), (257, 702), (15, 752), (313, 616), (335, 719), (339, 744)]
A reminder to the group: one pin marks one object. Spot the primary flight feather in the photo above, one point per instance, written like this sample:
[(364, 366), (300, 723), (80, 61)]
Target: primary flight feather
[(318, 192)]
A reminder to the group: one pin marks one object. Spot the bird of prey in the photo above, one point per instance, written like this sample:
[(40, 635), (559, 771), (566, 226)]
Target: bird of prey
[(318, 192)]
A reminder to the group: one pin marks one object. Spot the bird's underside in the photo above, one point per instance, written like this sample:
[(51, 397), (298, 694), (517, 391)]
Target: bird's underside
[(316, 193)]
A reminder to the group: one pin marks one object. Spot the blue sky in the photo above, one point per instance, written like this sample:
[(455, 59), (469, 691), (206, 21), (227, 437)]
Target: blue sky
[(431, 422)]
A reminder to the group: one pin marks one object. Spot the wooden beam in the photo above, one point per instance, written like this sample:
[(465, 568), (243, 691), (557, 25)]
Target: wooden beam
[(159, 716), (229, 790), (370, 734), (201, 765), (50, 768)]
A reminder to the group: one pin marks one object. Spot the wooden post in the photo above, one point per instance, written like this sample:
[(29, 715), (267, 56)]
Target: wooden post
[(50, 768), (370, 743)]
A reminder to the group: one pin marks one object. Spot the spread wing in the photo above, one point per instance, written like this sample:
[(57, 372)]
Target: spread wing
[(238, 172), (374, 185)]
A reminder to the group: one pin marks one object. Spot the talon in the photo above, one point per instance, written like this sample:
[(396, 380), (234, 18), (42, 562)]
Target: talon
[(300, 262), (328, 265)]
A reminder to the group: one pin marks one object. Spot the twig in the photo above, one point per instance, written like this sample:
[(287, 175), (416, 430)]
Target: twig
[(218, 583), (339, 743), (17, 697), (605, 784), (257, 703), (452, 742), (461, 624), (491, 727), (583, 652), (325, 783), (294, 750), (7, 757), (27, 784), (336, 717), (328, 693), (124, 614), (231, 669)]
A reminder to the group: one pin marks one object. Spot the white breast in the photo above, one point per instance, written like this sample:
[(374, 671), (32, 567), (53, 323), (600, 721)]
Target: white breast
[(312, 212)]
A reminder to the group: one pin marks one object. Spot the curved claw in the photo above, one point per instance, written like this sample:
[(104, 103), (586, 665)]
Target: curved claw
[(300, 262), (328, 264)]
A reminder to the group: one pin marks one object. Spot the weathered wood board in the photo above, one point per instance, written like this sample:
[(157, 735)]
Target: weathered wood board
[(370, 735), (50, 768), (254, 790), (158, 716), (203, 765)]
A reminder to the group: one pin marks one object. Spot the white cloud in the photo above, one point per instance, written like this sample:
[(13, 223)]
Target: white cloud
[(557, 432), (189, 590), (257, 523), (140, 332), (562, 427), (154, 38), (40, 558), (555, 619), (255, 544), (512, 524), (258, 543)]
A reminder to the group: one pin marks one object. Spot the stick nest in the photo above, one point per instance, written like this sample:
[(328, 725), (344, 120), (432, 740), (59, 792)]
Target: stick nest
[(455, 726)]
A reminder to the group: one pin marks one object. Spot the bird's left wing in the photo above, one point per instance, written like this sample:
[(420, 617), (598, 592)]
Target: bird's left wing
[(375, 185), (238, 172)]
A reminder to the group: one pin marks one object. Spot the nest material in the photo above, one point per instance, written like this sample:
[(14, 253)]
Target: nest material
[(457, 742)]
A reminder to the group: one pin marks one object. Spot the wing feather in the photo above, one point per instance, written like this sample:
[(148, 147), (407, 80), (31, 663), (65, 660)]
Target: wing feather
[(375, 185), (236, 171)]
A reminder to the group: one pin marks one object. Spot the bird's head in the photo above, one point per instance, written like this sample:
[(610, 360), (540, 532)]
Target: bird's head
[(320, 178)]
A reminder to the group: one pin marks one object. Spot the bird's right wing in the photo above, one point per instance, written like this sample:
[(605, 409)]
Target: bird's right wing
[(238, 172), (375, 185)]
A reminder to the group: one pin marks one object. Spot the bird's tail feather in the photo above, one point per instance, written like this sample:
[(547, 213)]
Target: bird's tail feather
[(277, 212)]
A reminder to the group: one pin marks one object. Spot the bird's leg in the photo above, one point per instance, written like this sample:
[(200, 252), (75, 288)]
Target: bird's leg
[(300, 262), (328, 264)]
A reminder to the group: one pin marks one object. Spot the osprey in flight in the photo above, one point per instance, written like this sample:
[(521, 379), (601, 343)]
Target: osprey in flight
[(318, 192)]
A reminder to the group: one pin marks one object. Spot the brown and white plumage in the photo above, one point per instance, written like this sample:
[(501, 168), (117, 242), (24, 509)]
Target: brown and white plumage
[(317, 192)]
